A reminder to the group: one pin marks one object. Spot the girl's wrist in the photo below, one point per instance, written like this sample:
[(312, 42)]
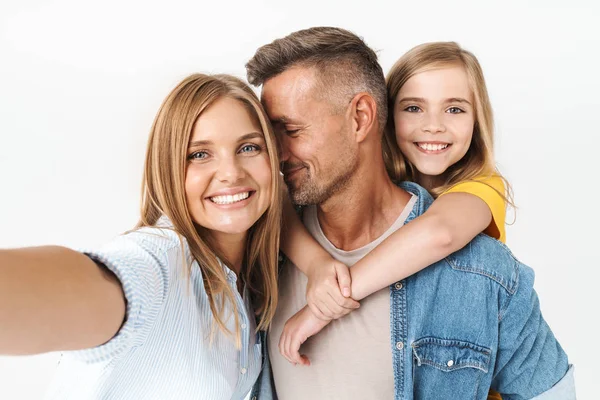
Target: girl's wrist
[(318, 261)]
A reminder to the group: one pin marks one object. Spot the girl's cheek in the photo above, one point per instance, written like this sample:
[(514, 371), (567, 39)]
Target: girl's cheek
[(403, 129), (466, 129)]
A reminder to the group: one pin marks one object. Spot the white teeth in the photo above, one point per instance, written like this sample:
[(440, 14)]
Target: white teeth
[(432, 147), (230, 199)]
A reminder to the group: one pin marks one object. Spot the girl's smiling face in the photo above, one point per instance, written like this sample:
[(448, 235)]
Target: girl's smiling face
[(434, 120)]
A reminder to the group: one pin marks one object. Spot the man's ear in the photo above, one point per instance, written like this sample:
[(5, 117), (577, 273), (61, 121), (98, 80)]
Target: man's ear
[(363, 110)]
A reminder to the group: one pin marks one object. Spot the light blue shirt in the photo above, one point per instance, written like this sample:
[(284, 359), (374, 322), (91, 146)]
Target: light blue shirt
[(164, 348)]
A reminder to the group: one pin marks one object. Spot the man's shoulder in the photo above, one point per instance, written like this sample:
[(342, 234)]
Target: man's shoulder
[(487, 256), (424, 198), (416, 189), (484, 255)]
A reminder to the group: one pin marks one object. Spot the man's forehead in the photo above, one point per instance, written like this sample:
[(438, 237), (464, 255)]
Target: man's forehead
[(295, 83), (284, 95)]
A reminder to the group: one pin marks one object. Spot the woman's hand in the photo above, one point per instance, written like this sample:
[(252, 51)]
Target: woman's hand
[(296, 331), (328, 289)]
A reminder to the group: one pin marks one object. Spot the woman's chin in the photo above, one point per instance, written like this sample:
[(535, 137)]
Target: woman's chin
[(232, 226)]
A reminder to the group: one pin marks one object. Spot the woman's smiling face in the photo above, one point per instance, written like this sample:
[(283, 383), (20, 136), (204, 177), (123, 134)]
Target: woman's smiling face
[(228, 174)]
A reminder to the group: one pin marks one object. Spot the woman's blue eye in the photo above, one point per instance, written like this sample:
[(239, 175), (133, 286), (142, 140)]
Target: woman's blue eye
[(455, 110), (249, 147), (412, 109), (198, 155)]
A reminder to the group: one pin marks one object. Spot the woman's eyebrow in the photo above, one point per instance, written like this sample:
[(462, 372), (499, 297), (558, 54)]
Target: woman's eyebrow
[(200, 143), (251, 135)]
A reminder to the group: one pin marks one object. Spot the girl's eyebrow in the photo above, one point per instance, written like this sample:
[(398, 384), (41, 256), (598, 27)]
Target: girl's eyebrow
[(422, 100), (412, 100), (458, 100)]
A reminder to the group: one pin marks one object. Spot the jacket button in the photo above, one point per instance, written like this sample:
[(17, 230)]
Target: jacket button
[(399, 345), (398, 286), (450, 363), (254, 397)]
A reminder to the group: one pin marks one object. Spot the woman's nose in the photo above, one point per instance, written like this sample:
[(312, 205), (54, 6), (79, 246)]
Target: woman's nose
[(230, 170)]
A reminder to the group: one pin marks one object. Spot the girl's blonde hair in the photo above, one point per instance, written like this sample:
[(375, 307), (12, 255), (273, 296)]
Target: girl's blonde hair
[(163, 193), (479, 160)]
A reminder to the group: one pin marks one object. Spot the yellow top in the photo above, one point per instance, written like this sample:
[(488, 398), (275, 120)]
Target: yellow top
[(494, 395), (489, 189)]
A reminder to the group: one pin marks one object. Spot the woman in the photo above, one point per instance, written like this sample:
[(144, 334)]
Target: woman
[(168, 309)]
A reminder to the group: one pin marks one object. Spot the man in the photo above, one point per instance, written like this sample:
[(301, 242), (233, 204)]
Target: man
[(451, 331)]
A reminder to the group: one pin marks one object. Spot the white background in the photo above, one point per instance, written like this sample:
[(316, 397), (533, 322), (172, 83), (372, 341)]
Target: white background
[(80, 84)]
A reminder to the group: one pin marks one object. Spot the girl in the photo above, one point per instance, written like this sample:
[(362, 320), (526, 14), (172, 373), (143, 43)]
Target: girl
[(166, 311)]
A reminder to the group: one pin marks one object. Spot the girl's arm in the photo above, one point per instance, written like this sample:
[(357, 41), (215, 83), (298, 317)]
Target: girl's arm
[(331, 298), (53, 298), (452, 221)]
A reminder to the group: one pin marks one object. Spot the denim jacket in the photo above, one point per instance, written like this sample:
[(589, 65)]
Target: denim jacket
[(467, 323)]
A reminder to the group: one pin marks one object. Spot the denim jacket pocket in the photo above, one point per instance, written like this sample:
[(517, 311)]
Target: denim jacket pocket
[(448, 368)]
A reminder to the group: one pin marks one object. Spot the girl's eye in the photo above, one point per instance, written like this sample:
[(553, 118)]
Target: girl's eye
[(248, 148), (412, 109), (454, 110), (198, 155)]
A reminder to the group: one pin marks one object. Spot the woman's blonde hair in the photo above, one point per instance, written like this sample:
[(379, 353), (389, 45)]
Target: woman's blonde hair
[(163, 193), (479, 159)]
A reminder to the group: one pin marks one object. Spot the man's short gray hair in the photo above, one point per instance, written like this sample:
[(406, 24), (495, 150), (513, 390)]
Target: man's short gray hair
[(345, 65)]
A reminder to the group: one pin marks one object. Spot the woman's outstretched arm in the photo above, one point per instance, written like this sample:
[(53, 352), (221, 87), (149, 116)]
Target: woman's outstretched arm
[(53, 298)]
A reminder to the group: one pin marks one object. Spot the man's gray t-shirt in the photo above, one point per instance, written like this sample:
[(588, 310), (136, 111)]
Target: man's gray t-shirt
[(351, 358)]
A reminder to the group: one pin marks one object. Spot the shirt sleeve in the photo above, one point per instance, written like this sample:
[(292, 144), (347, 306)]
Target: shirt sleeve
[(530, 361), (491, 190), (141, 266), (563, 390)]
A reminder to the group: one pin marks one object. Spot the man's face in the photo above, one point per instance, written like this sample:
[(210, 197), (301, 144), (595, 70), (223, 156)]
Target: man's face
[(318, 151)]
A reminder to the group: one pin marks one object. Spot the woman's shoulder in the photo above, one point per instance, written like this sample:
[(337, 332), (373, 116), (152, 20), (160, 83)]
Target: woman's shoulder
[(157, 244), (163, 237), (158, 240)]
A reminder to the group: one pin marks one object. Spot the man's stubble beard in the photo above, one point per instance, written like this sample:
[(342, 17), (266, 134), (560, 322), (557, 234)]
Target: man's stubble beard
[(313, 191)]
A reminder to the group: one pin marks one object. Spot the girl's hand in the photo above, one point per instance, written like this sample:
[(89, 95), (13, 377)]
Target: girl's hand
[(296, 331), (328, 289)]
